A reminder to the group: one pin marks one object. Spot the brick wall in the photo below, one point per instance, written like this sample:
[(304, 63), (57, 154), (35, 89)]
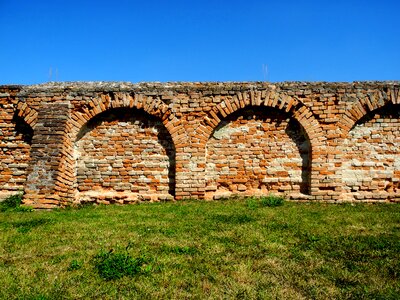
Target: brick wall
[(127, 152), (15, 140), (371, 164), (257, 152), (64, 143)]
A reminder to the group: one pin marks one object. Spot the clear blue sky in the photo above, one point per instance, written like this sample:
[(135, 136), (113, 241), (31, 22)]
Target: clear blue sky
[(78, 40)]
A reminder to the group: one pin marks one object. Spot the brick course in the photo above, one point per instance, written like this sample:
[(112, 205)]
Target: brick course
[(65, 143)]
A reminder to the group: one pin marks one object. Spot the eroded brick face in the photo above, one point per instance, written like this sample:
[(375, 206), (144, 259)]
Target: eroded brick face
[(126, 151), (15, 155), (15, 142), (371, 164), (257, 152), (66, 143)]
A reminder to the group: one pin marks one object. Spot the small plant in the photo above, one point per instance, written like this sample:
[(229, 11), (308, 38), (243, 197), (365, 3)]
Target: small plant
[(252, 203), (11, 202), (272, 200), (265, 201), (24, 209), (114, 265), (74, 265)]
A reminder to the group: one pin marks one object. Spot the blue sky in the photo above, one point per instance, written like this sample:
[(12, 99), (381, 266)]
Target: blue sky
[(252, 40)]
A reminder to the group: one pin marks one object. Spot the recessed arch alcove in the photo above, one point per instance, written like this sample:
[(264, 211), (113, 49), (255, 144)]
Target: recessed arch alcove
[(125, 153), (13, 175), (258, 150), (371, 162)]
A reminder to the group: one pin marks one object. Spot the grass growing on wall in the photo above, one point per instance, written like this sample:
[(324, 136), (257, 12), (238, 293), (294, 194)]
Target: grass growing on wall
[(217, 250)]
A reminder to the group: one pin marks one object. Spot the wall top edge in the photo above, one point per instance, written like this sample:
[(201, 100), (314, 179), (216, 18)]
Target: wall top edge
[(110, 86)]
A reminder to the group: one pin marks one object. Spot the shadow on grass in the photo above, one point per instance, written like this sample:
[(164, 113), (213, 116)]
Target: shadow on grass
[(26, 226)]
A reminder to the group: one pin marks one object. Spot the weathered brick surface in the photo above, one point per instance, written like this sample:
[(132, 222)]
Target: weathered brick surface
[(123, 142), (371, 164), (275, 159), (125, 151), (15, 139), (44, 186)]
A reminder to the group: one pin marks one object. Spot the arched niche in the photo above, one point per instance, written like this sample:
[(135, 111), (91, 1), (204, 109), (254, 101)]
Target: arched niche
[(371, 155), (125, 153), (15, 155), (258, 150)]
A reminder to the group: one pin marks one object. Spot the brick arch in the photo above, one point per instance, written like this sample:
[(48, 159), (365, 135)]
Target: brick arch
[(13, 175), (150, 105), (371, 155), (366, 105), (288, 104), (106, 101), (143, 158), (29, 115)]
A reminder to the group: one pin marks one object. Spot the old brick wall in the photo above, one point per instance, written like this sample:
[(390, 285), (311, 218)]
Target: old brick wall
[(120, 142), (371, 165), (15, 142), (125, 151), (257, 151)]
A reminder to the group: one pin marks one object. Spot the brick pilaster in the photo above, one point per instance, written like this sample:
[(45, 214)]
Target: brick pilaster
[(49, 154)]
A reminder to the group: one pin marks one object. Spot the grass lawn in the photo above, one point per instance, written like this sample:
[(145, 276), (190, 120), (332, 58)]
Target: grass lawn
[(232, 249)]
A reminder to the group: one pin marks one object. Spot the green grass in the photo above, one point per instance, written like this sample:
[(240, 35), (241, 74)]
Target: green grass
[(13, 203), (240, 249)]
